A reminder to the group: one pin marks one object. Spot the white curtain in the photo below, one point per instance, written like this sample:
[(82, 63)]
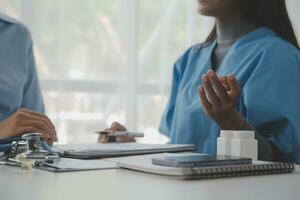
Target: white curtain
[(101, 61)]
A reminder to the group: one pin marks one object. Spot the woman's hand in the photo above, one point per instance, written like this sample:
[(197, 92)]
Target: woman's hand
[(219, 97), (115, 127), (25, 121)]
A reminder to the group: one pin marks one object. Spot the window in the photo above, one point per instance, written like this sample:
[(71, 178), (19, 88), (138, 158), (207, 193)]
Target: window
[(101, 61)]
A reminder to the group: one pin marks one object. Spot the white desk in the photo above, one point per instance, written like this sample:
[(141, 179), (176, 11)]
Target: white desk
[(121, 184)]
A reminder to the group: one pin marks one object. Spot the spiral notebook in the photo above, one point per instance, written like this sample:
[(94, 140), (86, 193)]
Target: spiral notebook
[(144, 164)]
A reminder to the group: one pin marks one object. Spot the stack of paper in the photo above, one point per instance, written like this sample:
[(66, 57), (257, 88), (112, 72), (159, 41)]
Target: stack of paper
[(67, 165)]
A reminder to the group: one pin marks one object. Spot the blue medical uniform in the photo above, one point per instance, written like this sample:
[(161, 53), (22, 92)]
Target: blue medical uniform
[(19, 87), (268, 71)]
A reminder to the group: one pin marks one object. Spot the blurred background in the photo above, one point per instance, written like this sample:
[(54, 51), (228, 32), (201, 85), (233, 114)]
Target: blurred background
[(101, 61)]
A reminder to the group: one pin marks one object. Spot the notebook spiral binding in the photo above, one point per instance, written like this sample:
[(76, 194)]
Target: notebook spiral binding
[(236, 170)]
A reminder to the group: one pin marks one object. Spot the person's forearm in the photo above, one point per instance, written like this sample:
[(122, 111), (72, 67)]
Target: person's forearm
[(3, 133), (265, 150)]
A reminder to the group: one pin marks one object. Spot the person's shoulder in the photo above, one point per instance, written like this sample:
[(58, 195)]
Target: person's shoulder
[(277, 47), (276, 43), (273, 50), (15, 26), (8, 20), (267, 48), (280, 51)]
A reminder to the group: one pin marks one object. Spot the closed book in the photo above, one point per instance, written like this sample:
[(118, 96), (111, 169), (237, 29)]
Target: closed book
[(200, 160)]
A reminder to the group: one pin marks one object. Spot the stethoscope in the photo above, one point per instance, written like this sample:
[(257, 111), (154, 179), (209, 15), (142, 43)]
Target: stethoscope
[(29, 147), (6, 144)]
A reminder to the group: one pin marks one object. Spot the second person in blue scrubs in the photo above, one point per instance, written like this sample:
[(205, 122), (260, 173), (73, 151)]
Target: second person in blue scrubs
[(248, 71), (21, 102)]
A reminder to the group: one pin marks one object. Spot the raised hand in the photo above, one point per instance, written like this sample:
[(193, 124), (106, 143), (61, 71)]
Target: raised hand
[(219, 97)]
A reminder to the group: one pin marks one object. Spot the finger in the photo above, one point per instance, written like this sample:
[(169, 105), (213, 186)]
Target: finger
[(104, 140), (41, 126), (210, 92), (30, 129), (28, 116), (46, 123), (45, 136), (124, 139), (38, 115), (38, 124), (218, 87), (224, 81), (44, 118), (115, 124), (49, 142), (234, 86), (99, 138), (49, 125), (116, 127), (205, 103)]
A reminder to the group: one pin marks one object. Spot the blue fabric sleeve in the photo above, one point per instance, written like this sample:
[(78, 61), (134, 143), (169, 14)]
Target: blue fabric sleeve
[(178, 70), (272, 99), (167, 118), (32, 97)]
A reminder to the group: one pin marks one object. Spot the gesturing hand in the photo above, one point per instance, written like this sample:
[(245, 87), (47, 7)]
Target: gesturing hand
[(219, 97), (26, 121)]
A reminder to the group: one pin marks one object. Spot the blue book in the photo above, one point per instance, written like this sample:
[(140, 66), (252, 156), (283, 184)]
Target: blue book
[(200, 160)]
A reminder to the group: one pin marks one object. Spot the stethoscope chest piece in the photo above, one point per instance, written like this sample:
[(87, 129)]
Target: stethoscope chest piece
[(36, 151), (36, 148)]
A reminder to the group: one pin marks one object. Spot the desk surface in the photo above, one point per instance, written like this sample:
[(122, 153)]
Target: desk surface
[(122, 184)]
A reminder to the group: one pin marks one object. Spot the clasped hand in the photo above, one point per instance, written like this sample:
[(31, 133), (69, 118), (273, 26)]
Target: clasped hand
[(115, 127), (26, 121)]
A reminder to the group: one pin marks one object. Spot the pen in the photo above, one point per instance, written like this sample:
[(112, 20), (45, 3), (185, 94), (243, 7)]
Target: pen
[(121, 133)]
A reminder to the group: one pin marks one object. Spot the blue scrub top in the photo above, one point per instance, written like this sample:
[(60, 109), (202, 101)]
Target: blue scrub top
[(268, 71), (19, 87)]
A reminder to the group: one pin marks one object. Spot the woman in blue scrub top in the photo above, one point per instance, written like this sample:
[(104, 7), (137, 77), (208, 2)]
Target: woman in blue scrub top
[(246, 75), (21, 103)]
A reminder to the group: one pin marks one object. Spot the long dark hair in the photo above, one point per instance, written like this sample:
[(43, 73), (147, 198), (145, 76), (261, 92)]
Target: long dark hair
[(270, 13)]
